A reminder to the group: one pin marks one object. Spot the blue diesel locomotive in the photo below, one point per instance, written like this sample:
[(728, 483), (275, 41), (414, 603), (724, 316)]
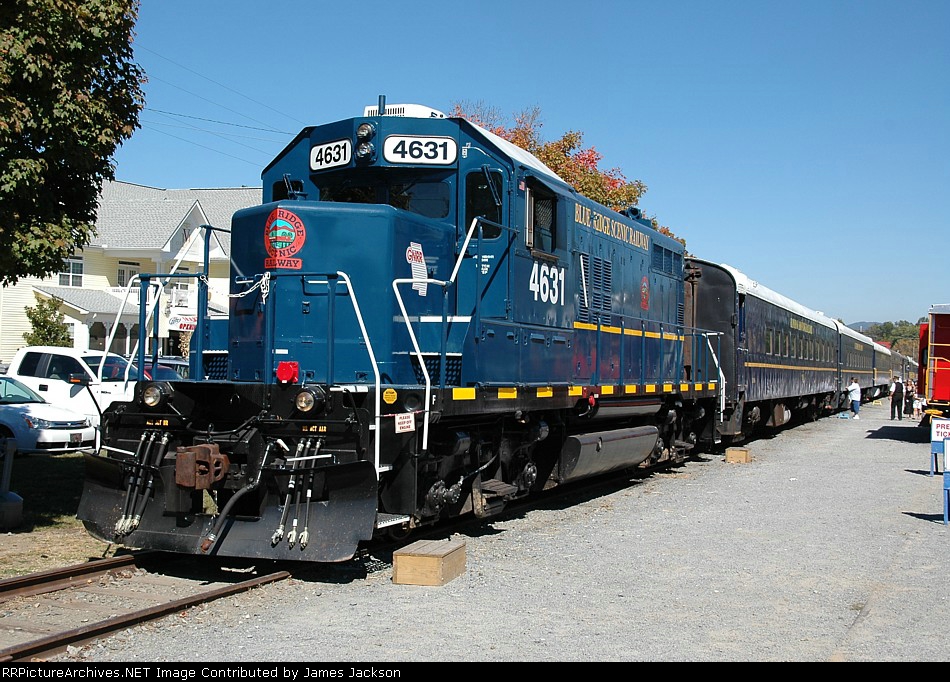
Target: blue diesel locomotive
[(425, 321)]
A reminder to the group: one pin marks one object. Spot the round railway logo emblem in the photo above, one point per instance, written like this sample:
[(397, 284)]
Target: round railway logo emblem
[(284, 233)]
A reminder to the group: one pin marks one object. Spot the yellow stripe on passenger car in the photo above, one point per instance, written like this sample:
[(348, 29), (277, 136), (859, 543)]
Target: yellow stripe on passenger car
[(575, 391), (507, 393), (651, 388), (630, 388), (545, 392)]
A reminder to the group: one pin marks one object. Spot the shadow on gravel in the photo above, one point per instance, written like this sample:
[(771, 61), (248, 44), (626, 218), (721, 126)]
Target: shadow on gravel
[(934, 518), (911, 433), (922, 472)]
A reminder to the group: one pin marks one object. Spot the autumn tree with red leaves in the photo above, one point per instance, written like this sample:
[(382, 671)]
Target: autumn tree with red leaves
[(577, 165)]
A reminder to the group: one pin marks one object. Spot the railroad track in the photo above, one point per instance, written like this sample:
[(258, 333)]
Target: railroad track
[(43, 613)]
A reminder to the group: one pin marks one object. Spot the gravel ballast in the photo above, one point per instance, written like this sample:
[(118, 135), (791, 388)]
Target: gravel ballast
[(829, 545)]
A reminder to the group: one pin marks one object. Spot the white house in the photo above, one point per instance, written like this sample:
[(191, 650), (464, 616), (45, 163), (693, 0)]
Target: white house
[(140, 230)]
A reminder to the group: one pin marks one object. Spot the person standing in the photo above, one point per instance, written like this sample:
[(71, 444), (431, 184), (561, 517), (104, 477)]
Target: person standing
[(854, 395), (909, 390), (897, 399)]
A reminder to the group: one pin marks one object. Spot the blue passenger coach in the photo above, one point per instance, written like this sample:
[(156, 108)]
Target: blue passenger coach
[(778, 357)]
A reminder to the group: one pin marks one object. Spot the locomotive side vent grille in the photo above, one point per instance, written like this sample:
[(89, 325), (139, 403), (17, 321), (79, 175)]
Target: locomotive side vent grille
[(453, 365), (666, 261), (215, 366), (598, 282)]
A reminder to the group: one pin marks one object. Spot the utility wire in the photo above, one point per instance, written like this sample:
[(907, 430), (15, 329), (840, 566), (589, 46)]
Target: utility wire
[(229, 137), (211, 149), (211, 120), (211, 101), (221, 85)]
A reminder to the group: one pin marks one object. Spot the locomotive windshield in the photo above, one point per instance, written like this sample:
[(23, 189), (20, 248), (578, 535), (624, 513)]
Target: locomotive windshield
[(423, 194)]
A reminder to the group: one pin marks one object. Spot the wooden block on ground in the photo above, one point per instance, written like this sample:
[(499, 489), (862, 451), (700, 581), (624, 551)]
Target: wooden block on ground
[(429, 562), (738, 455)]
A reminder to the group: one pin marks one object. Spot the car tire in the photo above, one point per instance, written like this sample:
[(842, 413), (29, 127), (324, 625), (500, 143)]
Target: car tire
[(7, 434)]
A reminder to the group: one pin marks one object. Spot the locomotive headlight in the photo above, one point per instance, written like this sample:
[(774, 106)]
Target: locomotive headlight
[(365, 131), (365, 150), (311, 399), (154, 395)]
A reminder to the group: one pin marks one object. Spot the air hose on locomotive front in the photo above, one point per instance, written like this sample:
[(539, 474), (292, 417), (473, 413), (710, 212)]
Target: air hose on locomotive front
[(212, 537)]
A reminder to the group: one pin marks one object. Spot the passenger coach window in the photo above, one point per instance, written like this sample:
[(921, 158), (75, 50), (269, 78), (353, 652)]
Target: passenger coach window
[(483, 200)]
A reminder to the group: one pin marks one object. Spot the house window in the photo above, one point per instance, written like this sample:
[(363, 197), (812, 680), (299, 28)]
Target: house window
[(127, 270), (71, 275), (181, 283)]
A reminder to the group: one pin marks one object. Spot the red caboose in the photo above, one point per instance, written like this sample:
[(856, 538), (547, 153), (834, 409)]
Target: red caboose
[(935, 360)]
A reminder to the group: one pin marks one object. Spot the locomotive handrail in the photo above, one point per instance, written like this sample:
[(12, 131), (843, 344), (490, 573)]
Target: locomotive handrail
[(372, 359), (722, 377), (369, 349), (147, 312), (476, 221), (418, 352)]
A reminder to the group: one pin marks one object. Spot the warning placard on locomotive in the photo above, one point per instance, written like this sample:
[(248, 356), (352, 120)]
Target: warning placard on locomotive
[(405, 422)]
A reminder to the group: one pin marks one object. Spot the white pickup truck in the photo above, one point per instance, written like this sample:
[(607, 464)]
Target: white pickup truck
[(68, 377)]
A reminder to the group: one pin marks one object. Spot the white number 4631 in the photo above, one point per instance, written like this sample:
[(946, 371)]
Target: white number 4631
[(547, 283)]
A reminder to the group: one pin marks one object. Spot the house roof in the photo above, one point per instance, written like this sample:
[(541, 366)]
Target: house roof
[(89, 300), (145, 217), (101, 302)]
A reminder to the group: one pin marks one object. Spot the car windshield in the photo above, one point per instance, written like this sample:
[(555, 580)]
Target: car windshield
[(162, 373), (114, 370), (12, 392)]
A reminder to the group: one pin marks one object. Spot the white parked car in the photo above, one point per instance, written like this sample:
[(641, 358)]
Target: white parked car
[(85, 381), (37, 426)]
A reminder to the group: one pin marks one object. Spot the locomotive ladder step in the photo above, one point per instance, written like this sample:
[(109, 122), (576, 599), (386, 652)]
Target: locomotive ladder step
[(386, 520), (495, 488)]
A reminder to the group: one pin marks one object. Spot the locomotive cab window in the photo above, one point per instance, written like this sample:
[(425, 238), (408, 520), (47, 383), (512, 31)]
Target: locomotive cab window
[(483, 200), (541, 215), (427, 196)]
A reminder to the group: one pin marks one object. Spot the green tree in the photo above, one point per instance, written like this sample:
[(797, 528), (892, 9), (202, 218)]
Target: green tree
[(69, 95), (577, 165), (49, 329)]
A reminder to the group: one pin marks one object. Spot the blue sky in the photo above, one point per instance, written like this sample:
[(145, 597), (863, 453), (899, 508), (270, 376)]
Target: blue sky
[(806, 143)]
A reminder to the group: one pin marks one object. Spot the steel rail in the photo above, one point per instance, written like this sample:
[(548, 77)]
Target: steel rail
[(29, 651), (62, 578)]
